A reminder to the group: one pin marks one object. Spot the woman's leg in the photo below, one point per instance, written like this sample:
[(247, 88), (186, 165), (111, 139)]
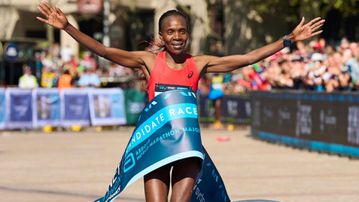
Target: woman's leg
[(157, 184), (184, 175)]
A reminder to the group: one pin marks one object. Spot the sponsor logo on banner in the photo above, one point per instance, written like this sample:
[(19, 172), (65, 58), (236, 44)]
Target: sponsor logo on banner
[(47, 107), (107, 107), (304, 120), (75, 107), (235, 109), (353, 125), (19, 103)]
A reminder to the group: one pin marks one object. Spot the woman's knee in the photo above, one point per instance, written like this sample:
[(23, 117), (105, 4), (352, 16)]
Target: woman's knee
[(182, 190), (184, 175)]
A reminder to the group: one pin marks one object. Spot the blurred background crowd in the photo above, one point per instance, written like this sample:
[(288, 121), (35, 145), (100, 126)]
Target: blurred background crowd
[(34, 55), (60, 68), (313, 66), (218, 27)]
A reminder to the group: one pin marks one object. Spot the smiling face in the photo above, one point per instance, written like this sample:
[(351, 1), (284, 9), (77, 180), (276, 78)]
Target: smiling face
[(174, 34)]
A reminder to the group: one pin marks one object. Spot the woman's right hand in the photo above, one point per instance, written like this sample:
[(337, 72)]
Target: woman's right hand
[(53, 16)]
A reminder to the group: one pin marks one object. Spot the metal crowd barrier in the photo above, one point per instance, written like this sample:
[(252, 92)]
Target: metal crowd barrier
[(28, 109), (326, 122), (235, 109), (40, 107)]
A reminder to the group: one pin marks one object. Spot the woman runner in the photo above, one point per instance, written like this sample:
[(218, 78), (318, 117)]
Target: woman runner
[(170, 68)]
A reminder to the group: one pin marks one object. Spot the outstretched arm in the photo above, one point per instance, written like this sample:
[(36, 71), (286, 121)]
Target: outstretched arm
[(56, 18), (229, 63)]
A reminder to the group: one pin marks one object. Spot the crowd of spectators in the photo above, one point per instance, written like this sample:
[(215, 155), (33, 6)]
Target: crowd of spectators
[(314, 66), (60, 68)]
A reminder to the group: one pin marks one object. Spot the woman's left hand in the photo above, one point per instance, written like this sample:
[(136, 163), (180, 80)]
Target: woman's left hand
[(307, 30)]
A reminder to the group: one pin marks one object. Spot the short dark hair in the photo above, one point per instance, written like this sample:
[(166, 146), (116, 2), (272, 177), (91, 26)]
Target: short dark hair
[(173, 13)]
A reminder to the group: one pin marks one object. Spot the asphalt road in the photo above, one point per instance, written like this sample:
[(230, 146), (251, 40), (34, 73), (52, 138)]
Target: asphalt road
[(78, 166)]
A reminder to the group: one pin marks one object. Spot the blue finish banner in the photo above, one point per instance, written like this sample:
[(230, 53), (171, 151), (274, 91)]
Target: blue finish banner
[(167, 131), (75, 107), (107, 107), (47, 107), (2, 108), (19, 103)]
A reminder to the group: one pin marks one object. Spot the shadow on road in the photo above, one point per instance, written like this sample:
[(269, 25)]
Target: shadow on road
[(62, 193)]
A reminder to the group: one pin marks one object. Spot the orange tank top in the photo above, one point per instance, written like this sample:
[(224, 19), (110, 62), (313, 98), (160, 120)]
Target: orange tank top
[(164, 78), (64, 81)]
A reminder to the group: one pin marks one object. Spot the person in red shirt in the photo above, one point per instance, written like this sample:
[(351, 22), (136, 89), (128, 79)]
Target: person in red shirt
[(173, 67)]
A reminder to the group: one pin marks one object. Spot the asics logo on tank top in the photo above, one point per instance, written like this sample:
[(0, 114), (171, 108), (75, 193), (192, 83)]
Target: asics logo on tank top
[(190, 75)]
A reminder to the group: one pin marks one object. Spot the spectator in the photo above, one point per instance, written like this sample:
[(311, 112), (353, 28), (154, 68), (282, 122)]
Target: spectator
[(65, 80), (216, 93), (89, 78), (47, 77), (351, 58), (72, 65), (88, 61), (27, 80)]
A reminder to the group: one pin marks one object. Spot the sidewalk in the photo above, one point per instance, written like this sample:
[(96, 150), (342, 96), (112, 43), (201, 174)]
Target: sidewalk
[(74, 167)]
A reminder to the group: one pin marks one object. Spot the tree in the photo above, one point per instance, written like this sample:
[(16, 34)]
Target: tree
[(252, 23)]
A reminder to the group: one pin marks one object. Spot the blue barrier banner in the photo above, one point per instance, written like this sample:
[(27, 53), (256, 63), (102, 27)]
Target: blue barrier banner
[(317, 121), (206, 109), (2, 108), (107, 107), (75, 107), (19, 103), (47, 107), (235, 109), (167, 131)]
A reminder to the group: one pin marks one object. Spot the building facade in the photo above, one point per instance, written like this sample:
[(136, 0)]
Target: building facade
[(19, 18)]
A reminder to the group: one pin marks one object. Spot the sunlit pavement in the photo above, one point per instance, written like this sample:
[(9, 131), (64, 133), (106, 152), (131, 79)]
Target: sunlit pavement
[(78, 166)]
